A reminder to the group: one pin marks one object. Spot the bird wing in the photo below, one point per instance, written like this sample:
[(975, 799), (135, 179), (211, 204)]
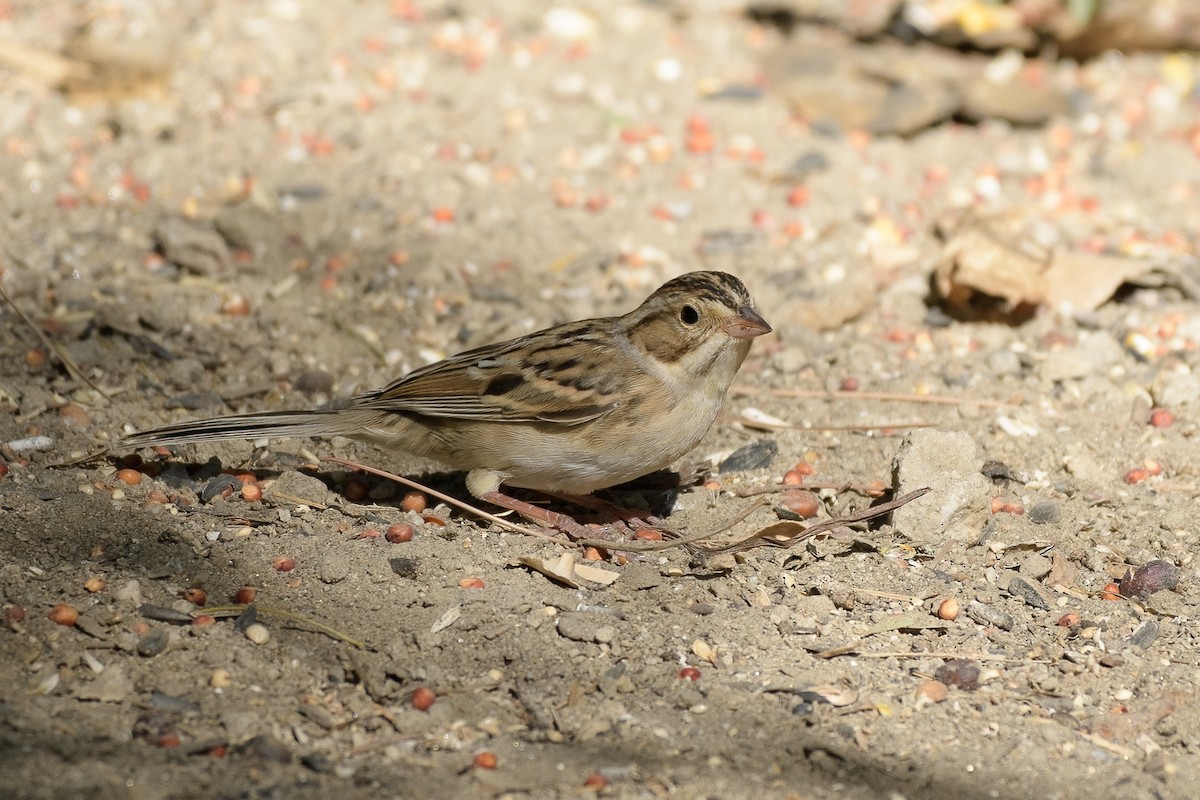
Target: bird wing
[(545, 377)]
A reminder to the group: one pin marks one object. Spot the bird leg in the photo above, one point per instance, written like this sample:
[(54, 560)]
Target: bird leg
[(626, 521), (545, 516)]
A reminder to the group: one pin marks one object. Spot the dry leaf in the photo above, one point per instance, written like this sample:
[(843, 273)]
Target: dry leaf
[(568, 572), (998, 259)]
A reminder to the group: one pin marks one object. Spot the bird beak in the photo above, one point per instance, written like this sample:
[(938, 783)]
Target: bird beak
[(747, 324)]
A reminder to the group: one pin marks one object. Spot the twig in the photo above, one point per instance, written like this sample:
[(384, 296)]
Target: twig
[(785, 534), (866, 489), (283, 613), (973, 655), (892, 397), (71, 366)]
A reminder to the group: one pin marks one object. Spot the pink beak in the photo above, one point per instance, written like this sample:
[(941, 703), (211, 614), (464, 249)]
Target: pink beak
[(747, 324)]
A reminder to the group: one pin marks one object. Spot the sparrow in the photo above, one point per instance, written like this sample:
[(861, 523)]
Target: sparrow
[(567, 410)]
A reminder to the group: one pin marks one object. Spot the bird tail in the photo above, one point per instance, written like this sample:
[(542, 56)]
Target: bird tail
[(242, 426)]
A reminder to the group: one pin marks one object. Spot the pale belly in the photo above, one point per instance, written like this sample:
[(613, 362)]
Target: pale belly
[(580, 459)]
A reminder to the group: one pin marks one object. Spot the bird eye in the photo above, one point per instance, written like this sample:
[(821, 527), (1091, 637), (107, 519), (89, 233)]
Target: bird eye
[(689, 315)]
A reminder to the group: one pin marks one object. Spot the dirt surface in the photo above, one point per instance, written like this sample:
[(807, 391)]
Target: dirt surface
[(314, 198)]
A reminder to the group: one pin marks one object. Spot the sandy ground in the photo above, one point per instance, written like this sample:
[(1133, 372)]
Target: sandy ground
[(318, 197)]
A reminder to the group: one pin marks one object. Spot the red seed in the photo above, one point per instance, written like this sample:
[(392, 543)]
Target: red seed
[(471, 583), (156, 497), (284, 563), (1112, 591), (802, 503), (805, 468), (202, 620), (130, 477), (1136, 475), (793, 477), (798, 196), (486, 760), (595, 781), (195, 596), (245, 595), (414, 501), (648, 535), (14, 615), (366, 533), (251, 493), (95, 584), (399, 533), (849, 384), (1162, 418), (236, 306), (3, 469), (1068, 620), (63, 614), (356, 490), (689, 674), (948, 609), (422, 698)]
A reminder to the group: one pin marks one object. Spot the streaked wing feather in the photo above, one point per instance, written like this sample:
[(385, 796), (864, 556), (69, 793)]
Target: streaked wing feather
[(531, 379)]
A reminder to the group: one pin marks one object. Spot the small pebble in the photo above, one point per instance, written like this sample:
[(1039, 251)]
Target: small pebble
[(220, 679), (1045, 513), (153, 642), (960, 672), (988, 615), (1151, 577), (257, 633), (932, 692)]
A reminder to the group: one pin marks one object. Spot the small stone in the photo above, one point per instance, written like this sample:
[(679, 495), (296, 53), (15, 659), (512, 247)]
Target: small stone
[(257, 633), (1151, 577), (1047, 512), (988, 615), (154, 642), (294, 487), (1035, 566), (581, 626), (948, 462), (756, 455), (932, 692), (960, 672), (334, 568), (1026, 591)]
